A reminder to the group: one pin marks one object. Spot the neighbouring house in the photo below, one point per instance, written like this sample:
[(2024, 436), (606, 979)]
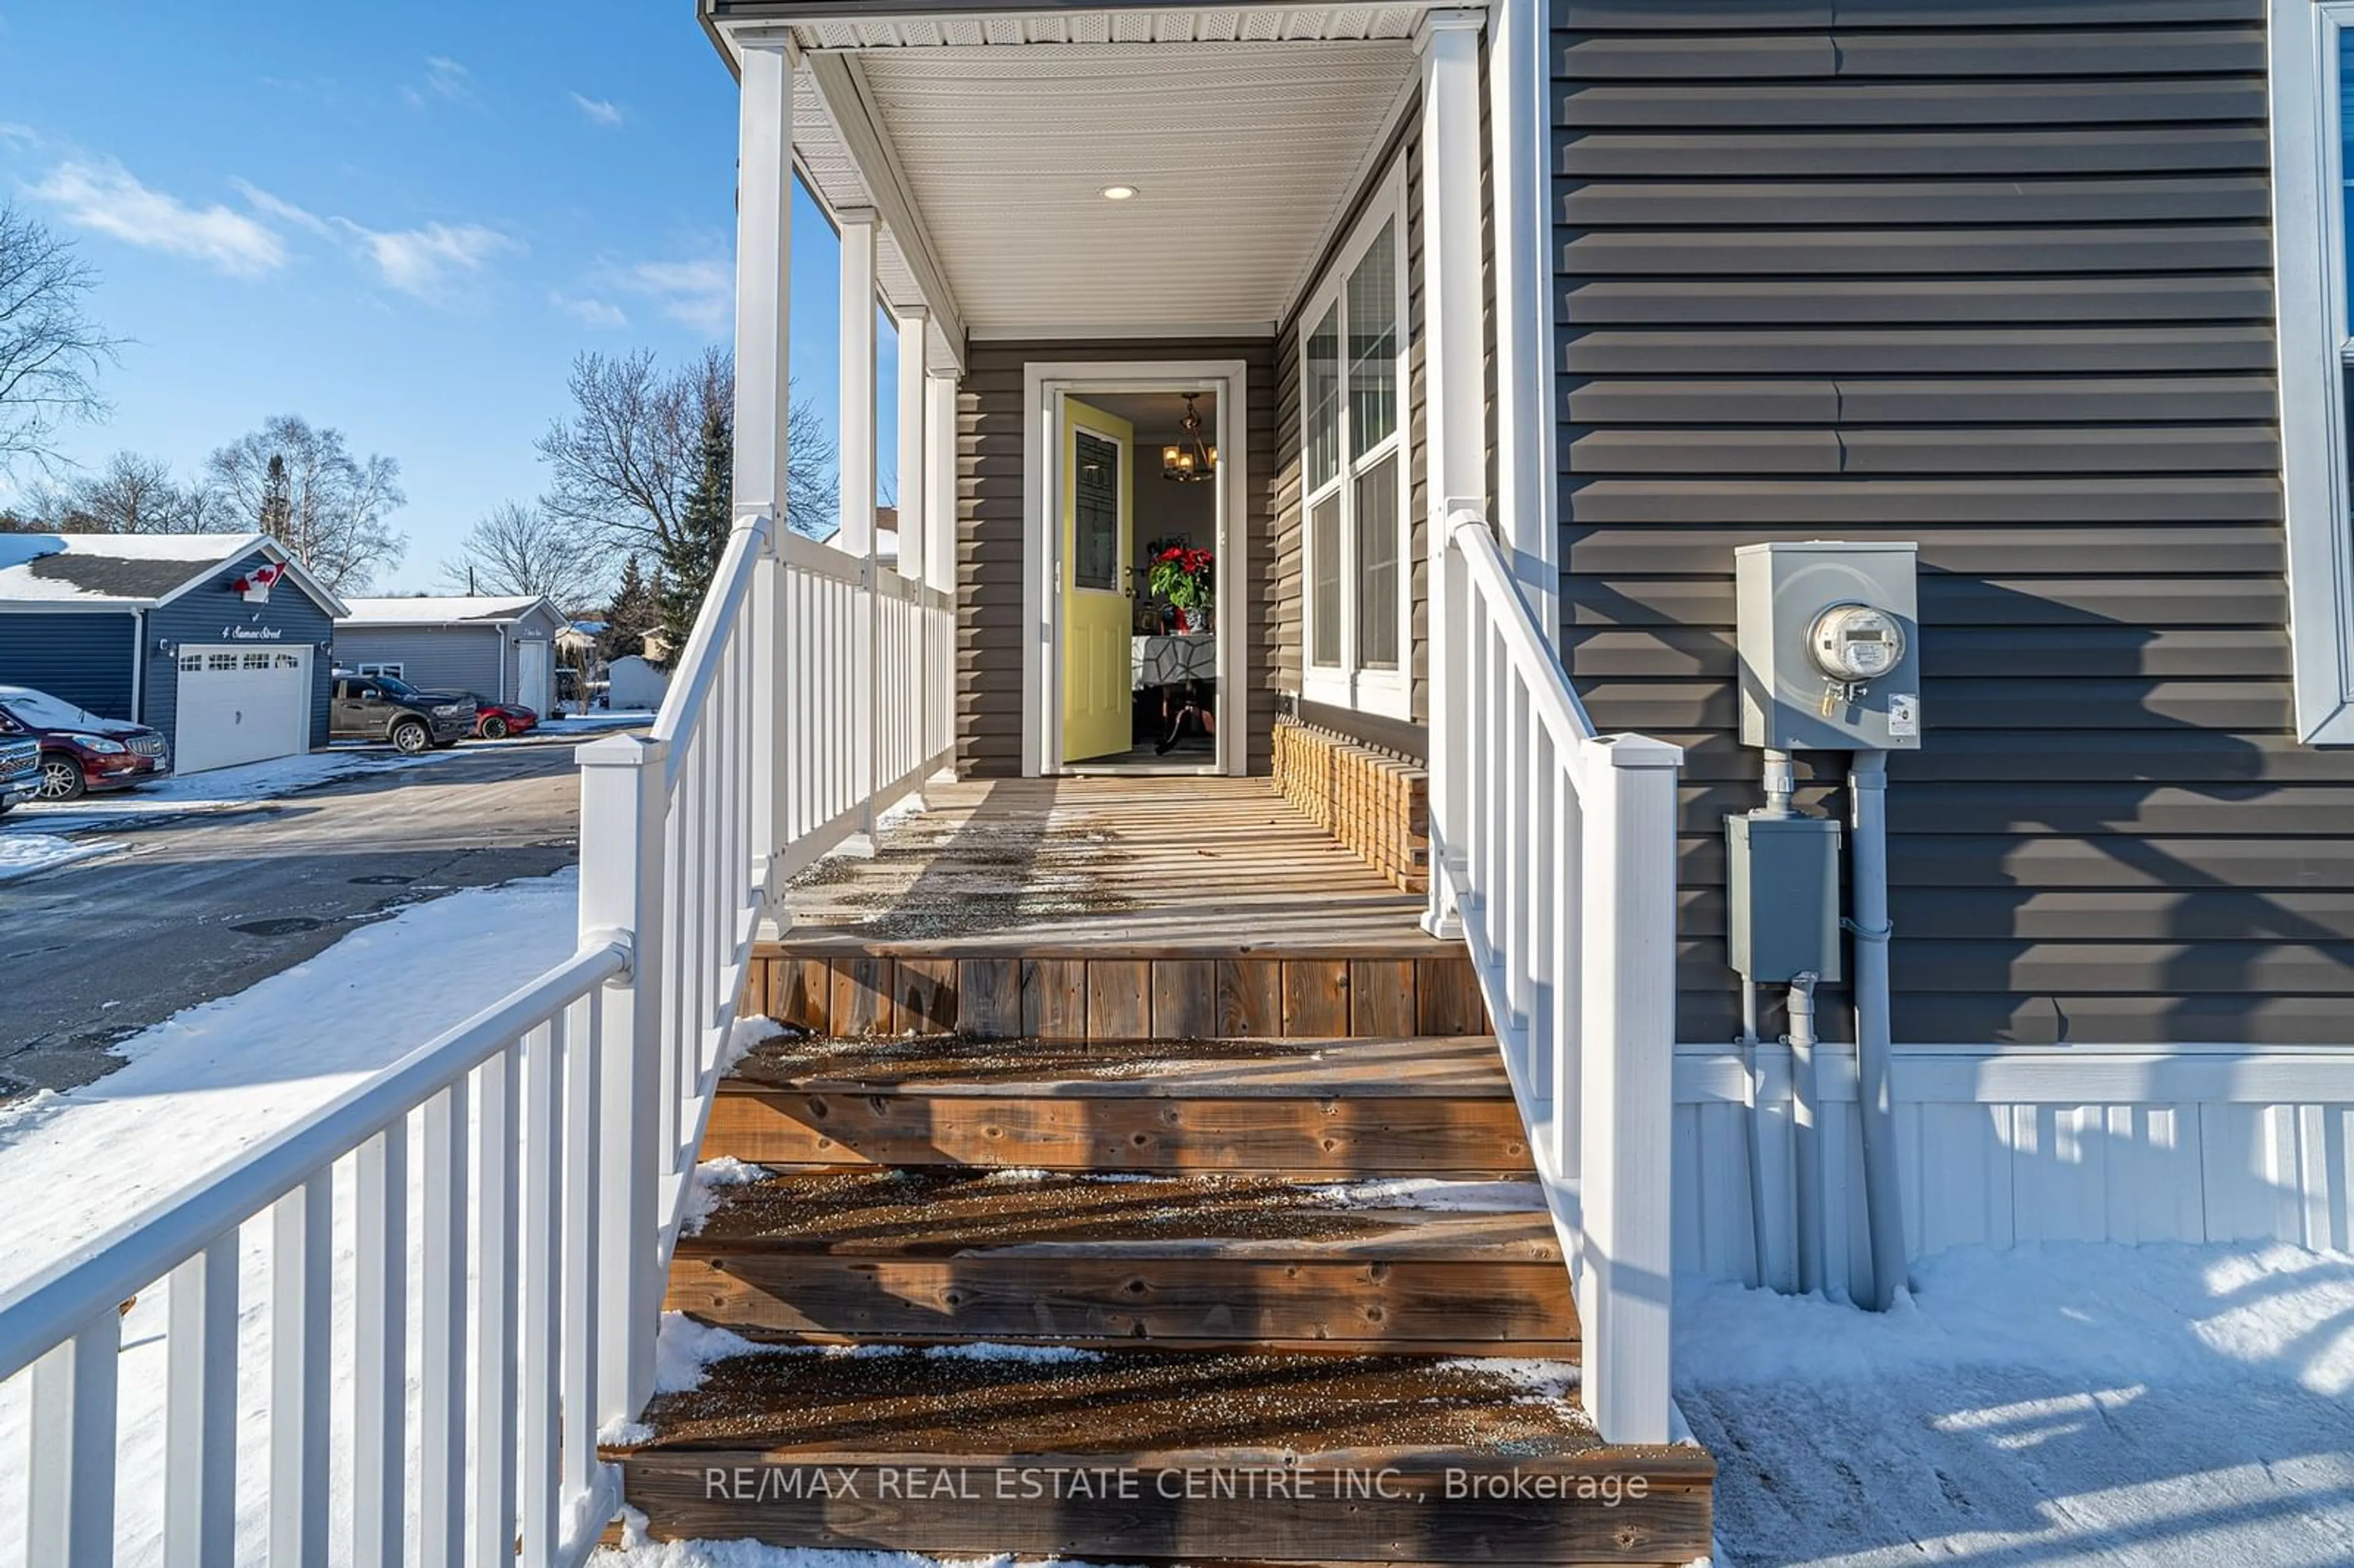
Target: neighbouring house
[(633, 683), (502, 647), (222, 642), (1779, 672)]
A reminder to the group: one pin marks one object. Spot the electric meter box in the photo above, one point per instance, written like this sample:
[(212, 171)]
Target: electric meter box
[(1830, 646), (1782, 897)]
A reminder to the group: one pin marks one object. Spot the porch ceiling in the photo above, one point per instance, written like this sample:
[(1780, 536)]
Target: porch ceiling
[(985, 143), (1241, 155)]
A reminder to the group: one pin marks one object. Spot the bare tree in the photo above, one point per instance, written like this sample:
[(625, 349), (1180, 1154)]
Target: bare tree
[(50, 353), (520, 550), (625, 463), (303, 487), (135, 494)]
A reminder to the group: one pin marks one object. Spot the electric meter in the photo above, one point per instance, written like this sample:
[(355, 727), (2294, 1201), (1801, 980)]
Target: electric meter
[(1830, 638), (1854, 643)]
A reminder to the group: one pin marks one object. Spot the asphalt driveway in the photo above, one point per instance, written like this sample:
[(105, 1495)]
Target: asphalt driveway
[(193, 907)]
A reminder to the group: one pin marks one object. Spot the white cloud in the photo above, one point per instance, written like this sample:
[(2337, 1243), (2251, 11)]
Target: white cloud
[(591, 312), (700, 294), (424, 262), (99, 194), (445, 79), (599, 110), (427, 261), (280, 209)]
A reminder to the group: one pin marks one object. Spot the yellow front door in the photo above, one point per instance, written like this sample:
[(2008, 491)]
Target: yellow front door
[(1098, 544)]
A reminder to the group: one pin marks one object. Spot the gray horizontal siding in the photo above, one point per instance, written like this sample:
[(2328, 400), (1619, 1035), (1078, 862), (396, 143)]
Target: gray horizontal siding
[(990, 635), (436, 658), (83, 659), (1995, 277)]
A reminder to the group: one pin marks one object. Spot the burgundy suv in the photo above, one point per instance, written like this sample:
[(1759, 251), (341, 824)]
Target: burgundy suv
[(80, 751)]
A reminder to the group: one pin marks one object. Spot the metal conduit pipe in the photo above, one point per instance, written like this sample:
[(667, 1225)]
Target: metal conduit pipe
[(1806, 1133), (1883, 1201)]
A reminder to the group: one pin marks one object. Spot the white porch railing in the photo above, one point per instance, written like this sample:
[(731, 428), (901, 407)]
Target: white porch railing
[(1559, 846), (522, 1175)]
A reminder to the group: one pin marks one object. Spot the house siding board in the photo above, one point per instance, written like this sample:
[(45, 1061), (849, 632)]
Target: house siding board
[(990, 646), (435, 658), (204, 614), (1995, 279), (82, 658)]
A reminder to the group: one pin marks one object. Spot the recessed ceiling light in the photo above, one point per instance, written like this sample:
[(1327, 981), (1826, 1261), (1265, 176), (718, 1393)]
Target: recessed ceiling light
[(1118, 193)]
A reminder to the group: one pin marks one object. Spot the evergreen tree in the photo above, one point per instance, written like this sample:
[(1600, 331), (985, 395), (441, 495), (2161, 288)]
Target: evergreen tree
[(690, 556), (635, 611)]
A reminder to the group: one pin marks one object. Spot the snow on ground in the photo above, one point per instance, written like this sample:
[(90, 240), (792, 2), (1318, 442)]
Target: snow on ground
[(212, 1080), (23, 853), (207, 1083), (220, 789), (2060, 1404), (751, 1554)]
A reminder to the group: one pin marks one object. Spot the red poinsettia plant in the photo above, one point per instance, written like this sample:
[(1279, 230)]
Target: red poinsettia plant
[(1183, 577)]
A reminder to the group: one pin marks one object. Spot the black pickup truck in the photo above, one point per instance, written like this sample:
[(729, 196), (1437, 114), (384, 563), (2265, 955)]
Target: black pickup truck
[(385, 707)]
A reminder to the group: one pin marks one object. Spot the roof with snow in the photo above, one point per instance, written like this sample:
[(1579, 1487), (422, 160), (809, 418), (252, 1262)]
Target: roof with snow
[(424, 610), (128, 571)]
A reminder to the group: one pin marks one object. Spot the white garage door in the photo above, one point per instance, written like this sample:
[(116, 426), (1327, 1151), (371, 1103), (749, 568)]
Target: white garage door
[(533, 677), (241, 704)]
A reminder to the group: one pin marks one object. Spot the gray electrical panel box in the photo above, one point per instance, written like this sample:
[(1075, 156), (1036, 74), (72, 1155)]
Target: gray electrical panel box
[(1782, 896), (1831, 647)]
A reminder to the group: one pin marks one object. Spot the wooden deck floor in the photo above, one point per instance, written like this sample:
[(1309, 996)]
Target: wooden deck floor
[(1099, 867)]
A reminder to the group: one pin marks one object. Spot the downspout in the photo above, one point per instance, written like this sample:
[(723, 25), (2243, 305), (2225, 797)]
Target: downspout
[(138, 666), (1883, 1199)]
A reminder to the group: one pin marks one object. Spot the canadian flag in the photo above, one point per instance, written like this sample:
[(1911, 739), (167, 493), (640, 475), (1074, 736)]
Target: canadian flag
[(255, 584)]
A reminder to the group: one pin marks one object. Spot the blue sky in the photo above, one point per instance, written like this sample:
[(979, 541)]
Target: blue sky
[(402, 221)]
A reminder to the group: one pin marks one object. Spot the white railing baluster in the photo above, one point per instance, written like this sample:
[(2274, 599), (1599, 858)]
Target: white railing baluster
[(583, 1226), (380, 1348), (1564, 841), (441, 1312), (200, 1410), (497, 1292), (70, 1512), (538, 1346), (301, 1288)]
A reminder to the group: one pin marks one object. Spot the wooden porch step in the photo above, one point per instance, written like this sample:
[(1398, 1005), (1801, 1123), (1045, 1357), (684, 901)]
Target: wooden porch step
[(1159, 988), (1387, 1107), (1185, 1263), (967, 1451)]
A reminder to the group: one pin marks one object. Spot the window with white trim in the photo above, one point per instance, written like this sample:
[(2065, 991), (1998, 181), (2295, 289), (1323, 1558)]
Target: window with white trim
[(1355, 520), (2312, 64), (397, 669)]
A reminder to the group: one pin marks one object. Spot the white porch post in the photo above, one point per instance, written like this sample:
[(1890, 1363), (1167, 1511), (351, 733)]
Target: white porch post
[(857, 454), (1519, 80), (914, 499), (940, 549), (1454, 312), (764, 229)]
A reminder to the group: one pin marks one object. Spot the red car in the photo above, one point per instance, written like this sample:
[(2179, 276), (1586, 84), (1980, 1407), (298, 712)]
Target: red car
[(81, 751), (496, 721)]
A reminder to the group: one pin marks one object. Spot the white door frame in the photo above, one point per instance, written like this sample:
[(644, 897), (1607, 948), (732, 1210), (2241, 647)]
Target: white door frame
[(1044, 384)]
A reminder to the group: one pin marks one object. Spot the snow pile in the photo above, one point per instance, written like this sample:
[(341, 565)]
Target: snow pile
[(2074, 1403), (23, 853), (1537, 1380), (703, 1186), (1433, 1192), (747, 1033), (686, 1349), (1035, 1355)]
